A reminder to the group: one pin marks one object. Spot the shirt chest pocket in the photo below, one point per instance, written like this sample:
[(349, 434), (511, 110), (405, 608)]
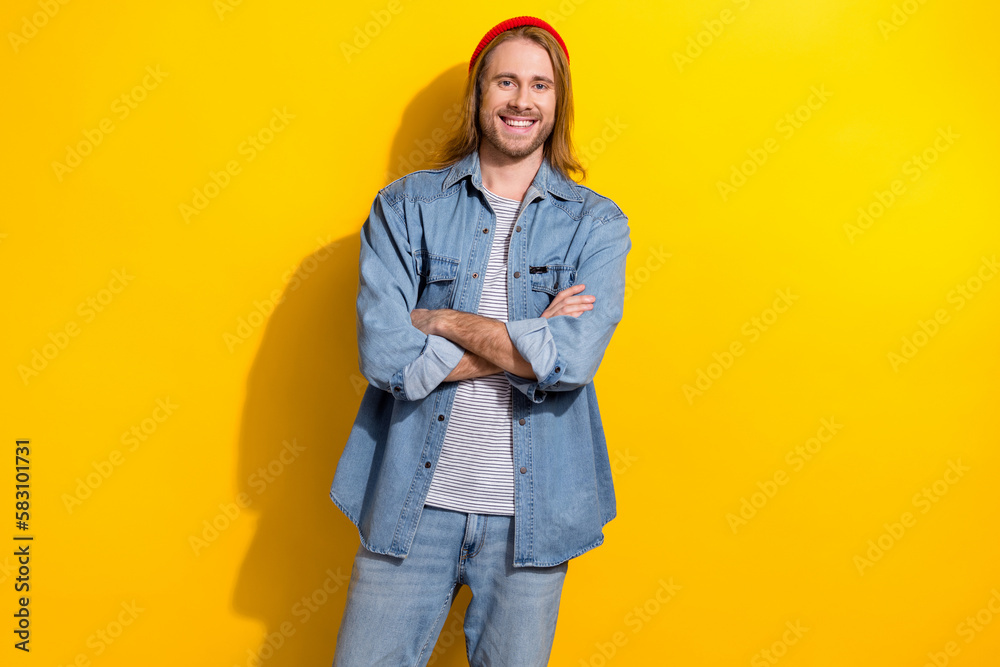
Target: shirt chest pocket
[(437, 275), (546, 282)]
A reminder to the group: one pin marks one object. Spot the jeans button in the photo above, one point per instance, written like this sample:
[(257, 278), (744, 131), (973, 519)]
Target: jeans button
[(521, 421), (523, 470)]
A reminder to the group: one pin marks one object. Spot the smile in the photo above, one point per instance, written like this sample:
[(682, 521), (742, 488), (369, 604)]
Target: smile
[(511, 122)]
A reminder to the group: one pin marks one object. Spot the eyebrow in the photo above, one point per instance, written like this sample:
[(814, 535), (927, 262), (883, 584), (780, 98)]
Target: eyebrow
[(536, 77)]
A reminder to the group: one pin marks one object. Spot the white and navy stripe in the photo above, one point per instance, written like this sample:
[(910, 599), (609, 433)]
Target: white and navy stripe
[(475, 472)]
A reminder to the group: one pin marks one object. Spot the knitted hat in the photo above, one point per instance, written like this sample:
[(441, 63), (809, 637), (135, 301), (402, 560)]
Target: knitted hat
[(515, 22)]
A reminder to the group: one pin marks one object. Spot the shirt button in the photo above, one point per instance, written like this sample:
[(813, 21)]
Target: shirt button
[(557, 369), (523, 470), (517, 274), (398, 388), (440, 418), (427, 464), (475, 275), (518, 228), (486, 230), (521, 421)]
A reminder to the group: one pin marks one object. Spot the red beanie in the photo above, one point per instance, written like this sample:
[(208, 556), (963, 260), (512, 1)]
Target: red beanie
[(515, 22)]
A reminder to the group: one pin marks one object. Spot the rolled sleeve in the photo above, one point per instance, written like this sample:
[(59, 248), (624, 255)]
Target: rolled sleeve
[(393, 355), (438, 358), (533, 339), (564, 351)]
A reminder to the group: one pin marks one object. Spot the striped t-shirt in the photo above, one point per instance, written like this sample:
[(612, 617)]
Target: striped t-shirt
[(475, 472)]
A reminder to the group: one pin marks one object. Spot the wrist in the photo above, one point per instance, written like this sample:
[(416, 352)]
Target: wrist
[(443, 323)]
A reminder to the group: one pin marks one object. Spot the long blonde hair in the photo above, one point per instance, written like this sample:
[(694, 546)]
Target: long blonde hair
[(466, 135)]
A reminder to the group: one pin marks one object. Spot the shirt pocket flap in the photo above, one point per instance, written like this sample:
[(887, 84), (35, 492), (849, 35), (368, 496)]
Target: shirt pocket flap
[(433, 268), (552, 278)]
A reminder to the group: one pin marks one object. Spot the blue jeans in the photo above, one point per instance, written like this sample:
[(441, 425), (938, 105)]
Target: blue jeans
[(397, 607)]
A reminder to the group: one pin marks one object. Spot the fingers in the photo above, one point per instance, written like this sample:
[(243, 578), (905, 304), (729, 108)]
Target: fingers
[(569, 291), (572, 296), (575, 310), (567, 294), (570, 302)]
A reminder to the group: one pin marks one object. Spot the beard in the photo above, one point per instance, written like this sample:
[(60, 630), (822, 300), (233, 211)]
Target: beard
[(514, 146)]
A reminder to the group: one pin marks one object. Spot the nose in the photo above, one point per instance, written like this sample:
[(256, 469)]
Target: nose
[(522, 100)]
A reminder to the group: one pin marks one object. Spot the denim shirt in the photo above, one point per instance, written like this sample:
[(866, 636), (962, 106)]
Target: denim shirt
[(426, 244)]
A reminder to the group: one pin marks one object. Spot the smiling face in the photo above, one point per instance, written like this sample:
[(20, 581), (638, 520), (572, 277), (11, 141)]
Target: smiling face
[(518, 107)]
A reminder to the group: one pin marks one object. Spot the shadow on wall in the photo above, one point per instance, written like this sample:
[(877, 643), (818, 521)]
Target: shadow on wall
[(302, 395)]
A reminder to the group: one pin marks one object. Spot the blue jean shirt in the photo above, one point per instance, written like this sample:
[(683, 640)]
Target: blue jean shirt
[(426, 244)]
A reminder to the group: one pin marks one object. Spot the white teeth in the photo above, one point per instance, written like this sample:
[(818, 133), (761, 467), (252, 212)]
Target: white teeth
[(518, 123)]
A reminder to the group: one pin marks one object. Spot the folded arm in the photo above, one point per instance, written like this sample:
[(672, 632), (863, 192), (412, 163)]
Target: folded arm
[(472, 366), (489, 348), (394, 355), (565, 352), (483, 336)]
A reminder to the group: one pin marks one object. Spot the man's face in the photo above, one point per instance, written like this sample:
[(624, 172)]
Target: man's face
[(518, 107)]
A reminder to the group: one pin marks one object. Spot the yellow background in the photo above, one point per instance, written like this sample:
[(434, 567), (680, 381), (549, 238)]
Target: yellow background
[(661, 133)]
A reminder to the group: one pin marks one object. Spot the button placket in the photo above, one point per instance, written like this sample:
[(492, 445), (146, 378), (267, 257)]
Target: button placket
[(474, 252)]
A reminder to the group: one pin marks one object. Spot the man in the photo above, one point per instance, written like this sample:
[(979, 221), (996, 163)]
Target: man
[(488, 292)]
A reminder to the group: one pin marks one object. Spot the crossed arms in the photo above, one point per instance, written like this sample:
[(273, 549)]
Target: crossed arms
[(488, 347), (408, 351)]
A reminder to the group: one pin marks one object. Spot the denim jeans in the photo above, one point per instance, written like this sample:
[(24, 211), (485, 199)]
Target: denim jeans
[(397, 607)]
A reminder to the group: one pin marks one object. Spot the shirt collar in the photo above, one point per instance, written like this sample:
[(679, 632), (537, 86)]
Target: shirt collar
[(546, 179)]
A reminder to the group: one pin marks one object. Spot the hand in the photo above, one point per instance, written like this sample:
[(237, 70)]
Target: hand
[(427, 320), (567, 303)]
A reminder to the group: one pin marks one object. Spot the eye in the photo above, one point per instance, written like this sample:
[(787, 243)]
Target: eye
[(505, 81), (541, 86)]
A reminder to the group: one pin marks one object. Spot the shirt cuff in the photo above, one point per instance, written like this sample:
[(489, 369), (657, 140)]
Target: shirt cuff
[(533, 339), (438, 358)]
